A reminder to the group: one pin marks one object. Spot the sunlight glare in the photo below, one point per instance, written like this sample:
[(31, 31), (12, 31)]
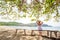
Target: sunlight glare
[(28, 1), (25, 20)]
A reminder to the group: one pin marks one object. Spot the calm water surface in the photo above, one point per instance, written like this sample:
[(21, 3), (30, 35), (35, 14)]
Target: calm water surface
[(36, 28)]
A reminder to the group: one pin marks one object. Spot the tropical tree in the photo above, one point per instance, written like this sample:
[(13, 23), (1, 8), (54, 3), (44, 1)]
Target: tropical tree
[(36, 9)]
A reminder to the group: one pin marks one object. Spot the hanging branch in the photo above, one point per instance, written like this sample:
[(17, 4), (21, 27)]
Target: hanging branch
[(37, 1), (57, 1), (23, 1), (36, 8)]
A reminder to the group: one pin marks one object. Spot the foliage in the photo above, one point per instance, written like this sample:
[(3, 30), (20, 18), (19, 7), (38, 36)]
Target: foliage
[(37, 9)]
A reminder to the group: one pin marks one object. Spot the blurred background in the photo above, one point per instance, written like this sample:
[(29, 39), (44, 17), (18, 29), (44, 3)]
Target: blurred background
[(26, 12)]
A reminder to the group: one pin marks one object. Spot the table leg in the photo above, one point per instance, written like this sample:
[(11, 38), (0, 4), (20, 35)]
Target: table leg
[(24, 32), (32, 32)]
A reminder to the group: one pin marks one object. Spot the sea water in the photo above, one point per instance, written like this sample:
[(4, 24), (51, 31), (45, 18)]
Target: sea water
[(35, 28)]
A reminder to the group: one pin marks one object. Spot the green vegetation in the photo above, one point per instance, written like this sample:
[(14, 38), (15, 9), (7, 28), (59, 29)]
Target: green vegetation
[(46, 8), (9, 24), (16, 24)]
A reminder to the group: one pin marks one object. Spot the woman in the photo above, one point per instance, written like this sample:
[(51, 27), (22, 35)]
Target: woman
[(39, 24)]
